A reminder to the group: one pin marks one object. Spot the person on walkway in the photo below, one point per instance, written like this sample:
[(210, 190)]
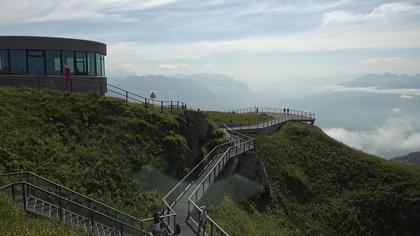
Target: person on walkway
[(156, 224), (202, 221)]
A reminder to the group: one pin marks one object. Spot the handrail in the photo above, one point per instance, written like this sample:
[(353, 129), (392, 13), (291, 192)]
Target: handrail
[(212, 172), (75, 203), (92, 84), (111, 209)]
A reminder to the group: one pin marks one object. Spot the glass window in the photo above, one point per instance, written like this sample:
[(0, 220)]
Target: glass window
[(36, 64), (53, 62), (18, 61), (4, 61), (91, 63), (81, 63), (68, 59), (98, 65), (103, 65)]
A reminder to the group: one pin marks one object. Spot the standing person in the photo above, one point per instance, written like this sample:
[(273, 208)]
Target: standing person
[(156, 223), (67, 73), (202, 221)]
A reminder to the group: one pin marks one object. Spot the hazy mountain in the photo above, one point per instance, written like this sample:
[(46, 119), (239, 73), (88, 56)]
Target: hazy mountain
[(236, 92), (205, 91), (386, 80), (413, 158)]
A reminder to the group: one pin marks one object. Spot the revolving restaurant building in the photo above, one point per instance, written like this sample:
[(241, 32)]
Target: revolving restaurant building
[(38, 62)]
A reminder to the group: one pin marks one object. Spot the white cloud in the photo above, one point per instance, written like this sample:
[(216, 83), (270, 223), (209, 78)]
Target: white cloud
[(405, 96), (384, 60), (380, 12), (405, 93), (29, 11), (396, 135), (209, 66), (391, 64), (396, 110), (175, 66)]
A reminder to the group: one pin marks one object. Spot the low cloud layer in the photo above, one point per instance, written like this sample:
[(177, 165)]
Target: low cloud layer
[(403, 92), (398, 135)]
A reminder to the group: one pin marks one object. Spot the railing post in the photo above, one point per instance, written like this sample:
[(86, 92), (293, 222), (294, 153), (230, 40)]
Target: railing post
[(161, 106), (13, 192), (24, 196), (126, 96), (171, 106), (39, 82), (177, 105), (91, 220), (145, 102), (121, 229), (59, 205)]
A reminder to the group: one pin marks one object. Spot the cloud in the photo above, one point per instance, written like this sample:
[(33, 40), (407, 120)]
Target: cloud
[(391, 64), (396, 135), (175, 66), (404, 96), (405, 93), (29, 11), (384, 60), (209, 66), (396, 110), (380, 12)]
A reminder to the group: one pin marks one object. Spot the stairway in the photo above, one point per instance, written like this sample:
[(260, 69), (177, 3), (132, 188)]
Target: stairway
[(43, 208), (42, 197)]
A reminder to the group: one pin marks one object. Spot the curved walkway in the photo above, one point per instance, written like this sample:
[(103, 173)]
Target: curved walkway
[(185, 204)]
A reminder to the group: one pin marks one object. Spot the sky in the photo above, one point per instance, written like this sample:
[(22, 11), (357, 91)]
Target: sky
[(253, 41)]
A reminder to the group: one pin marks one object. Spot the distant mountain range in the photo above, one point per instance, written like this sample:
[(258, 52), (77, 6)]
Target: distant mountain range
[(206, 91), (387, 80), (413, 158)]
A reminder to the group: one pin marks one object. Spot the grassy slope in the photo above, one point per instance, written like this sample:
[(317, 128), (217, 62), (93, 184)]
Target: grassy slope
[(89, 143), (14, 222), (220, 117), (319, 186)]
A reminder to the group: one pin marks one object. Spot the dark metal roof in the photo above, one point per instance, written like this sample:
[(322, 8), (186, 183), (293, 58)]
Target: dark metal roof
[(51, 43)]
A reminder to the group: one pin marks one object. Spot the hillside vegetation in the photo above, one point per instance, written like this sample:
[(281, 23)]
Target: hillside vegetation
[(95, 144), (318, 186), (14, 222)]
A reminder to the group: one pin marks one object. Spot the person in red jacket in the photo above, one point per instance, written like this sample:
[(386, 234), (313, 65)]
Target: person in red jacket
[(67, 73)]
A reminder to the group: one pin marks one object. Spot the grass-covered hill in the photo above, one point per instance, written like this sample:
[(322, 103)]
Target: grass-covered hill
[(14, 222), (95, 144), (318, 186)]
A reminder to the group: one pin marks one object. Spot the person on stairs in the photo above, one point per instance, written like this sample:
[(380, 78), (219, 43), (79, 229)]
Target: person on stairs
[(202, 221), (156, 224)]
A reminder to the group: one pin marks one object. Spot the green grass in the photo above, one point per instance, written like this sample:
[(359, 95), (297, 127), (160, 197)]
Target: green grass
[(319, 186), (14, 222), (221, 117), (96, 145)]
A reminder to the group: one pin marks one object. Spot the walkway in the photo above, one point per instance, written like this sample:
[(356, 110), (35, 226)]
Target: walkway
[(186, 207)]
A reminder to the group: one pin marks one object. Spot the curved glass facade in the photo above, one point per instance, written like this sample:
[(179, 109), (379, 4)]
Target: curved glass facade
[(51, 62)]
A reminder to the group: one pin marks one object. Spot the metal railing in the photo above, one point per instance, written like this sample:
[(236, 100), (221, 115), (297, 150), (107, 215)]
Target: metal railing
[(194, 210), (21, 190), (239, 143), (76, 197), (87, 84), (264, 110)]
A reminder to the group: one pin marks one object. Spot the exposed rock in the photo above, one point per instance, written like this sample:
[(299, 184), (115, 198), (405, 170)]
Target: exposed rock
[(251, 167), (194, 126)]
